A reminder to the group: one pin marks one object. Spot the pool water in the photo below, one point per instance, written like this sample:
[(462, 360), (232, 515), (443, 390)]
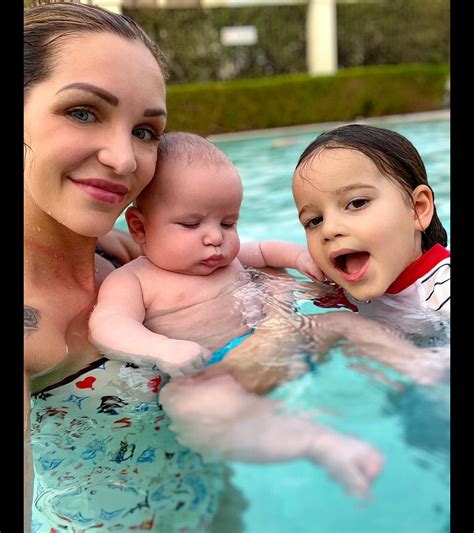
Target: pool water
[(409, 426), (266, 165)]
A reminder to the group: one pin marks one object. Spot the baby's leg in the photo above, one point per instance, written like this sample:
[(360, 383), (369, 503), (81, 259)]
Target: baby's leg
[(215, 416), (372, 339), (269, 357)]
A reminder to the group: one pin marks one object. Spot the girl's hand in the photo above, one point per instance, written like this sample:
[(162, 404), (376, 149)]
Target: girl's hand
[(306, 265)]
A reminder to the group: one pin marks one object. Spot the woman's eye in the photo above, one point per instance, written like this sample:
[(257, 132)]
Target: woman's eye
[(82, 115), (358, 203), (146, 134), (313, 222)]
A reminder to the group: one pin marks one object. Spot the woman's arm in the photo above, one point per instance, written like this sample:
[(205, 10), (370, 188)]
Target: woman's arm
[(28, 473), (120, 245), (31, 336)]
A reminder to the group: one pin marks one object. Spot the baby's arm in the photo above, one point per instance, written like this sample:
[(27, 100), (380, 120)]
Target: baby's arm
[(218, 418), (116, 328), (280, 254)]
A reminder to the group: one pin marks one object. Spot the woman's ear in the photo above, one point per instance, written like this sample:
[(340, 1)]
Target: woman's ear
[(423, 204), (136, 225)]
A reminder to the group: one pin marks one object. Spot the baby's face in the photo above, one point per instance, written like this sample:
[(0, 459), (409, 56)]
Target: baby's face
[(192, 228), (359, 227)]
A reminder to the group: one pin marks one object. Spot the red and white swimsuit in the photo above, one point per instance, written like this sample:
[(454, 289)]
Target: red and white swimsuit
[(424, 286)]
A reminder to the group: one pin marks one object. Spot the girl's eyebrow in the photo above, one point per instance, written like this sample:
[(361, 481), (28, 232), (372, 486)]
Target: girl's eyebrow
[(305, 208), (108, 97), (353, 186)]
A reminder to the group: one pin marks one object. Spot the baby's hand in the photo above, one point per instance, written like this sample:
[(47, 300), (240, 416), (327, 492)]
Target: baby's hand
[(350, 461), (180, 358), (306, 265)]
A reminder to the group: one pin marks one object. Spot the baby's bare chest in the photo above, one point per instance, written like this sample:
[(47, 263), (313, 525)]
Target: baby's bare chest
[(174, 291)]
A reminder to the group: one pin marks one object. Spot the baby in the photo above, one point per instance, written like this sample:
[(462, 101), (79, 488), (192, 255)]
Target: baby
[(186, 223), (156, 308), (371, 225)]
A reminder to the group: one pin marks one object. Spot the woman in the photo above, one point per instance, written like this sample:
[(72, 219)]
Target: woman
[(102, 453)]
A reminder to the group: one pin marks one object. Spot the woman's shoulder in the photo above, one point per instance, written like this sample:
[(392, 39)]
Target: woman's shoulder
[(44, 344)]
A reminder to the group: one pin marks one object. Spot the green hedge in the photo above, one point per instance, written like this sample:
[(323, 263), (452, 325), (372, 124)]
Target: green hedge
[(382, 32), (239, 105)]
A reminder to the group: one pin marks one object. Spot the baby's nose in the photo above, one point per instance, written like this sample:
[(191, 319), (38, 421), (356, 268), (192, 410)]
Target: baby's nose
[(213, 237)]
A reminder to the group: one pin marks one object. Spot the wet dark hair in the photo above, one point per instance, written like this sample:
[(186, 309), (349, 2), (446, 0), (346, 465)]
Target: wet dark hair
[(45, 25), (395, 157)]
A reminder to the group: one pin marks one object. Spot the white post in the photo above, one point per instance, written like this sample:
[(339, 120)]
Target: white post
[(112, 5), (321, 37)]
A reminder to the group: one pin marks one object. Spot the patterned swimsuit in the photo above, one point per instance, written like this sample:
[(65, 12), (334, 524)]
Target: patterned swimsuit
[(105, 459)]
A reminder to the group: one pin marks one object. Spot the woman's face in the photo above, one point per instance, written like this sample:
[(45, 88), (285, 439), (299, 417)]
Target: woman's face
[(93, 129)]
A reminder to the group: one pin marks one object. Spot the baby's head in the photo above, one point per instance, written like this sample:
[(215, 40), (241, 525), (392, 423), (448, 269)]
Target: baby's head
[(186, 218), (363, 197)]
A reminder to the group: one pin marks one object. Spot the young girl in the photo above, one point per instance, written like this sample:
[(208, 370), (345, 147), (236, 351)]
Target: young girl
[(363, 197)]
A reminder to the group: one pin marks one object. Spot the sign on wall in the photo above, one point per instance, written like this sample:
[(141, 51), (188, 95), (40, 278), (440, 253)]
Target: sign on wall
[(238, 35)]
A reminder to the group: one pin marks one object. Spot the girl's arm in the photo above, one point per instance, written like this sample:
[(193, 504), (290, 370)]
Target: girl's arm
[(374, 340), (116, 329), (280, 254)]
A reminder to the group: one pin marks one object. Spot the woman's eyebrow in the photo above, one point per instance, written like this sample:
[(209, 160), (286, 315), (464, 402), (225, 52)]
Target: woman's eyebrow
[(108, 97), (154, 113), (101, 93)]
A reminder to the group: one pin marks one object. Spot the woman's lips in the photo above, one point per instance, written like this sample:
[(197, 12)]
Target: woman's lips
[(103, 190)]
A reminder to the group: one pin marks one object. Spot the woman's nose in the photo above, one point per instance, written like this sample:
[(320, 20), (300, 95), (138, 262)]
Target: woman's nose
[(119, 153)]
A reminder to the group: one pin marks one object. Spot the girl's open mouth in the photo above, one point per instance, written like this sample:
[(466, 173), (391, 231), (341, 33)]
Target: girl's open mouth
[(353, 265)]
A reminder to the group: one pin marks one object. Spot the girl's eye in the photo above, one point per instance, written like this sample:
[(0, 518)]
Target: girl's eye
[(358, 203), (146, 134), (228, 224), (313, 223), (82, 115)]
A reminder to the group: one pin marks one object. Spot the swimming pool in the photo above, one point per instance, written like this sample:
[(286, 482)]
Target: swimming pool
[(411, 427)]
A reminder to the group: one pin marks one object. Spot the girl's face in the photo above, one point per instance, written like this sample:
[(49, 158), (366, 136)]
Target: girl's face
[(92, 130), (360, 228)]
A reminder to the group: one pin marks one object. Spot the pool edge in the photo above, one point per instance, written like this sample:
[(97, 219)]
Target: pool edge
[(441, 114)]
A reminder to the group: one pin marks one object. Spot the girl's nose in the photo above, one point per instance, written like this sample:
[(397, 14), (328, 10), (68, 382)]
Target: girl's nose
[(332, 227)]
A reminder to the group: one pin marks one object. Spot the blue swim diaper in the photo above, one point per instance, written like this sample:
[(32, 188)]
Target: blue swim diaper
[(219, 354)]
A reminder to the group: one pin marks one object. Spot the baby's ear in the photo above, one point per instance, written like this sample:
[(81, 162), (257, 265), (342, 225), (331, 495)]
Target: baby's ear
[(136, 224), (423, 203)]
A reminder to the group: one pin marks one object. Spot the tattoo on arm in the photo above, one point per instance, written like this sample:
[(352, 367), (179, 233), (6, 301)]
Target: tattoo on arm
[(31, 320)]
